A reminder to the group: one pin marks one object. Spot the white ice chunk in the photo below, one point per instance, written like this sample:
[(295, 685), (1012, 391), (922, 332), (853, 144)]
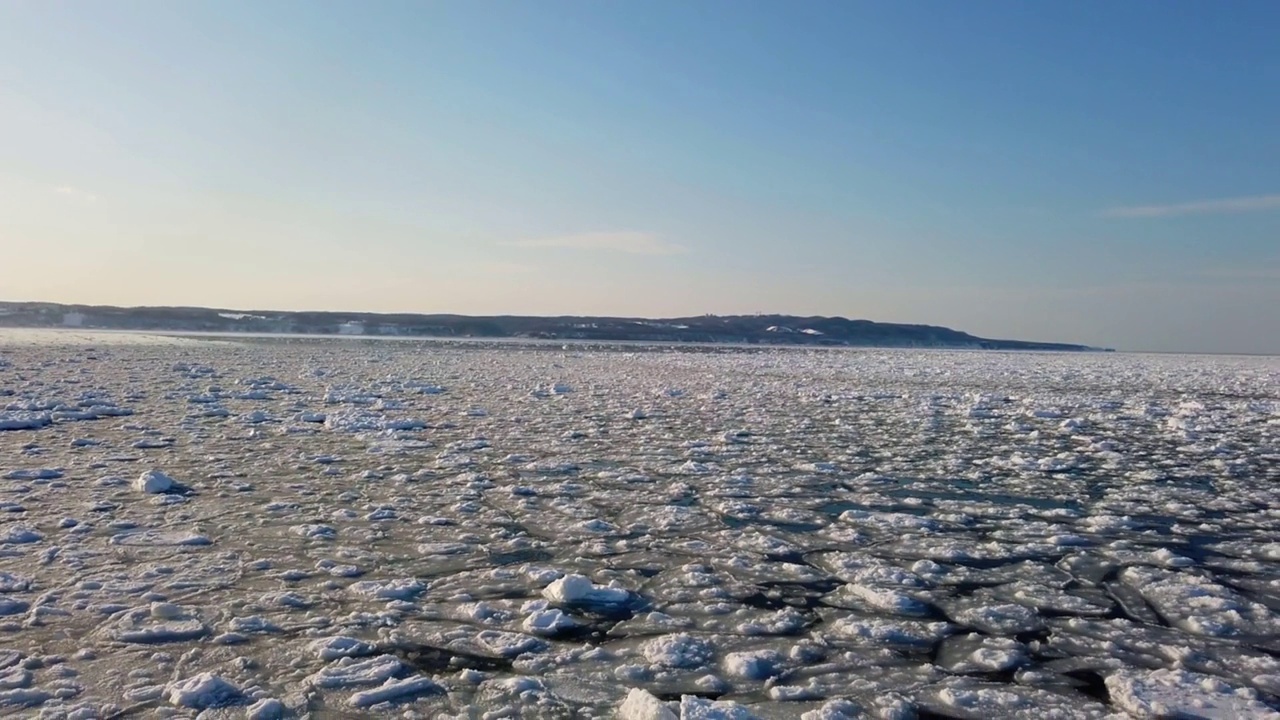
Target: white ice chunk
[(153, 481), (678, 651), (24, 420), (400, 589), (159, 538), (696, 708), (1177, 693), (23, 697), (890, 632), (1002, 618), (254, 624), (320, 532), (754, 665), (9, 582), (548, 622), (348, 672), (19, 535), (266, 709), (393, 690), (888, 600), (202, 691), (578, 589), (640, 705), (1199, 605), (36, 474), (333, 648), (166, 611)]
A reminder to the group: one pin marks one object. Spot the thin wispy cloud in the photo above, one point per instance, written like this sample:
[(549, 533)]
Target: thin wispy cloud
[(633, 243), (77, 193), (1223, 206)]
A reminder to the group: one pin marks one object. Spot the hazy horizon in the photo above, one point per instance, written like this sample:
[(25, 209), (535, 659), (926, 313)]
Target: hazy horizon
[(1084, 173)]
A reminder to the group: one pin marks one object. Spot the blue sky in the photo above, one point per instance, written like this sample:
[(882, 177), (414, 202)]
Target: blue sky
[(1098, 172)]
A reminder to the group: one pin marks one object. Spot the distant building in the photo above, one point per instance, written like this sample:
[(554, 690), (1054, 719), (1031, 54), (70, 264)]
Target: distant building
[(351, 328), (73, 319)]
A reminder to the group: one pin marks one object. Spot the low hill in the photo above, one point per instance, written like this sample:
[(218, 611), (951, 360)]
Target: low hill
[(751, 329)]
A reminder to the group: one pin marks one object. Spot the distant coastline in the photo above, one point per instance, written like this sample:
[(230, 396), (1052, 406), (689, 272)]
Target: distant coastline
[(712, 329)]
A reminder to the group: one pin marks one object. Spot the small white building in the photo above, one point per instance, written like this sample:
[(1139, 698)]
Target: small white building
[(351, 328), (73, 319)]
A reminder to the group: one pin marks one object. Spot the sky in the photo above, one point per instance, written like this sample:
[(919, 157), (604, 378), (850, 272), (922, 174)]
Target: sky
[(1096, 172)]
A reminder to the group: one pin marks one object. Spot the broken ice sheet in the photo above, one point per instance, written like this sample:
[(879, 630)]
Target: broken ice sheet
[(407, 528)]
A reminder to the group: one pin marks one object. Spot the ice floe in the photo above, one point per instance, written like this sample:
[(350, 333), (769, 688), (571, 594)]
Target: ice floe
[(406, 529)]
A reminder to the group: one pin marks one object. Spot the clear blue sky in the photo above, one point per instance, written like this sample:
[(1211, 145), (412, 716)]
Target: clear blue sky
[(1100, 172)]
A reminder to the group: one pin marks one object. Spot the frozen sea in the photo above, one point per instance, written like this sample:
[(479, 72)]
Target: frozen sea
[(279, 528)]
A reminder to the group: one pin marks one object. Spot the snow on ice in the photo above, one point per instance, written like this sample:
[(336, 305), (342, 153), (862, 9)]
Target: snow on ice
[(406, 529)]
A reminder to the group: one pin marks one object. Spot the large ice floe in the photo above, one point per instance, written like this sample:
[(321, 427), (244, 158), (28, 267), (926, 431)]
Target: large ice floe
[(298, 528)]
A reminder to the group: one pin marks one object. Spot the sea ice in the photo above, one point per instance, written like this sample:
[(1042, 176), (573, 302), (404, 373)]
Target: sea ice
[(1177, 693), (202, 691), (24, 420), (393, 690), (548, 622), (818, 534), (696, 708), (640, 705), (19, 535), (349, 671), (401, 589), (153, 481), (578, 589), (678, 651)]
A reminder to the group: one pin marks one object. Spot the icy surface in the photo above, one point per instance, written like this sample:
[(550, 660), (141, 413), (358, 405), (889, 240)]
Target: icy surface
[(304, 528), (1174, 693), (640, 705), (202, 691), (153, 481)]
